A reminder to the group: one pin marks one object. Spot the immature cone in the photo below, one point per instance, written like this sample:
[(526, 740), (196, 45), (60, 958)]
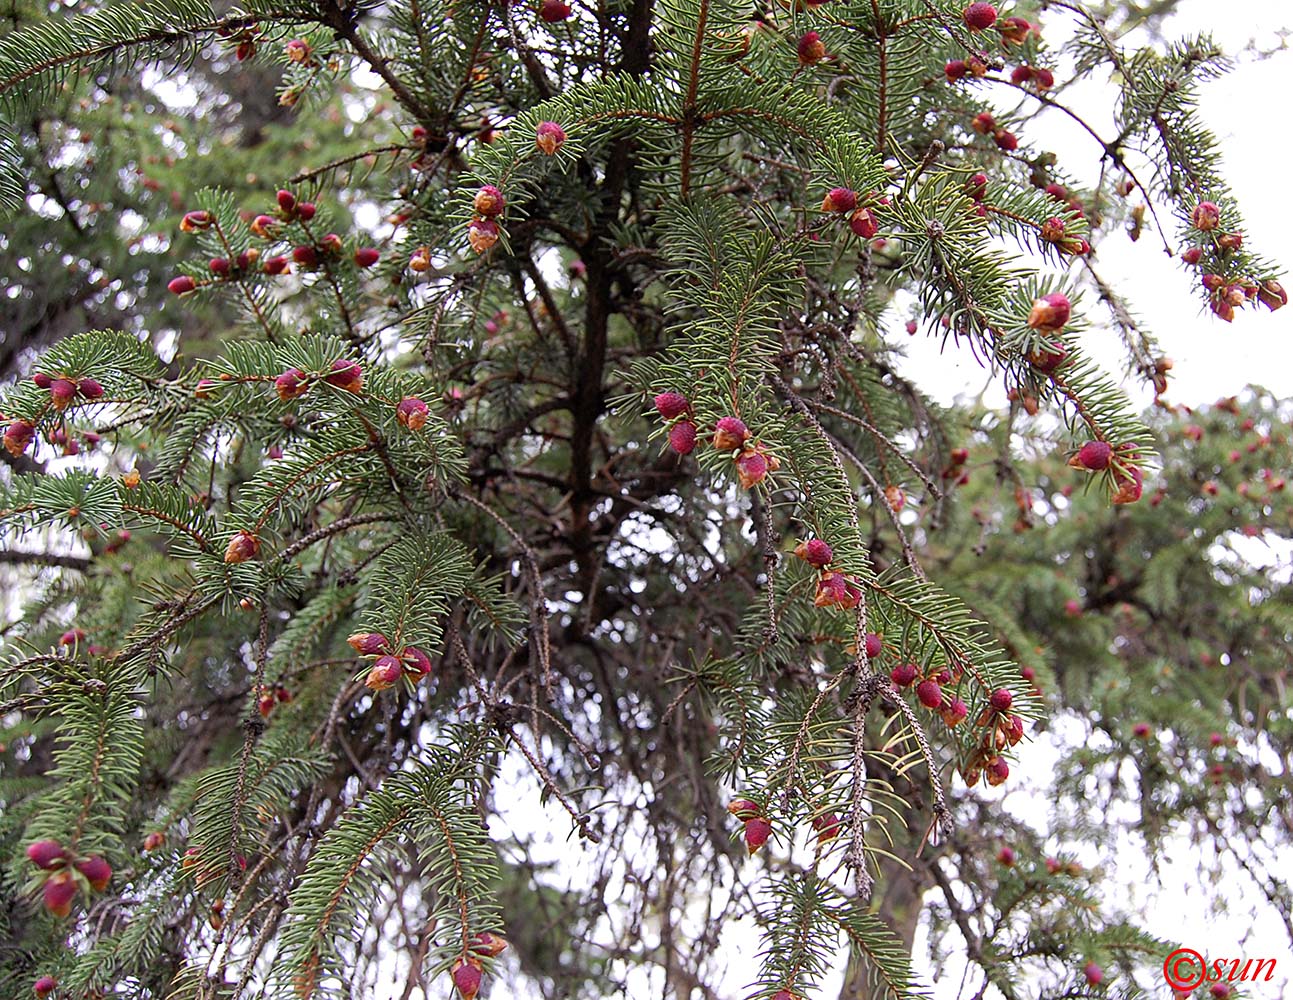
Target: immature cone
[(1048, 358), (996, 771), (682, 437), (306, 255), (979, 16), (58, 893), (835, 590), (1005, 140), (815, 552), (346, 375), (548, 137), (954, 70), (61, 392), (1272, 295), (904, 674), (46, 854), (90, 388), (482, 234), (467, 976), (743, 809), (487, 944), (286, 202), (757, 832), (1001, 699), (17, 436), (929, 693), (196, 221), (291, 384), (874, 643), (489, 200), (297, 50), (895, 498), (153, 841), (811, 50), (411, 412), (367, 256), (44, 986), (1094, 456), (369, 643), (1206, 216), (671, 404), (1050, 313), (839, 200), (827, 826), (1129, 486), (552, 11), (416, 662), (1014, 30), (1006, 856), (1094, 974), (242, 547), (954, 713), (386, 671), (863, 223), (730, 433), (984, 123), (751, 468), (96, 871)]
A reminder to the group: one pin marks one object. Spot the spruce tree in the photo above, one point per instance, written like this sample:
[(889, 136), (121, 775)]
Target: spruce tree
[(496, 416)]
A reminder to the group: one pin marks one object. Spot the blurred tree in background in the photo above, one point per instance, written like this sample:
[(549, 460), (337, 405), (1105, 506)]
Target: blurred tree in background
[(462, 502)]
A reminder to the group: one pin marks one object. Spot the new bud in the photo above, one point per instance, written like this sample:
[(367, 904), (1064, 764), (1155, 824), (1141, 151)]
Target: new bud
[(196, 221), (96, 871), (58, 893), (929, 693), (863, 223), (346, 375), (757, 832), (411, 412), (243, 547), (467, 976), (904, 675), (743, 809), (839, 199), (1001, 699), (810, 49), (671, 404), (489, 201), (482, 234), (1050, 313), (997, 771), (46, 854), (369, 643), (682, 437), (286, 202), (416, 662), (979, 16), (44, 986), (751, 468), (366, 257), (815, 552), (291, 384), (386, 671), (1094, 456), (61, 392), (181, 285), (730, 433), (1206, 216), (548, 137), (1272, 295)]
